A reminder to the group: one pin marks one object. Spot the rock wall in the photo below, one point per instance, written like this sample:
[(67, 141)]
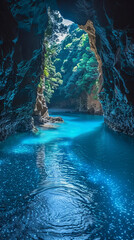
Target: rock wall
[(22, 25), (41, 109), (115, 46), (93, 105), (89, 28)]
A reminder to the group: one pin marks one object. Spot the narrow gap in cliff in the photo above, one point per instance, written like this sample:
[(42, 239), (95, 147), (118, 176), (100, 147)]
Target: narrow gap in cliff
[(70, 77)]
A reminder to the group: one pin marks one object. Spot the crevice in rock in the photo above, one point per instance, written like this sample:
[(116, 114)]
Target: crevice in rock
[(94, 105)]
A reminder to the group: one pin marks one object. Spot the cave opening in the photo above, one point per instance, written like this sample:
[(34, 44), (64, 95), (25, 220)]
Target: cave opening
[(71, 76)]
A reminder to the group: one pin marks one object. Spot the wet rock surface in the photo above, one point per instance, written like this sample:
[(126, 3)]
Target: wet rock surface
[(22, 25), (21, 45), (54, 119)]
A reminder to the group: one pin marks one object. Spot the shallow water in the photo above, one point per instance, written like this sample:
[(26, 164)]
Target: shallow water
[(75, 182)]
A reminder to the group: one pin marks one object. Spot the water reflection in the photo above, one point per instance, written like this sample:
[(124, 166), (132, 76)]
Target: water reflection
[(40, 162), (67, 185)]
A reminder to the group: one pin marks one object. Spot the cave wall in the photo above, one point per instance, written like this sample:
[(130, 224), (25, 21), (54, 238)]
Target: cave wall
[(22, 25)]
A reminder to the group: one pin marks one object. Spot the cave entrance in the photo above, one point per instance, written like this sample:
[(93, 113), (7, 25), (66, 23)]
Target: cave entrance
[(70, 78)]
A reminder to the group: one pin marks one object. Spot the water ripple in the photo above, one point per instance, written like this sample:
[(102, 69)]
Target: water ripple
[(67, 186)]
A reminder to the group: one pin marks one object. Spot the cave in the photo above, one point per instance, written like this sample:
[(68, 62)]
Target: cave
[(20, 73), (42, 196)]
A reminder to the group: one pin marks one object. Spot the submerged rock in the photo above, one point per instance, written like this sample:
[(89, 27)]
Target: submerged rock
[(55, 119), (49, 126)]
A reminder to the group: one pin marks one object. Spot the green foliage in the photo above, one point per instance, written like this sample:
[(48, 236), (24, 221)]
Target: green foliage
[(75, 68), (46, 73), (52, 78), (68, 45), (78, 65), (70, 67), (74, 60), (57, 60), (40, 85), (88, 68), (95, 91)]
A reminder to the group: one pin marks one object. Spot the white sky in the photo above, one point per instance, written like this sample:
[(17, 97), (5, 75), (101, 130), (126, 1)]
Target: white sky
[(67, 23)]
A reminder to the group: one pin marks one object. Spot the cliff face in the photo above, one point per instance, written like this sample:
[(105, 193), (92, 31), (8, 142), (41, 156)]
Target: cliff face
[(41, 109), (88, 103), (115, 46), (22, 25), (89, 28), (93, 105), (21, 37)]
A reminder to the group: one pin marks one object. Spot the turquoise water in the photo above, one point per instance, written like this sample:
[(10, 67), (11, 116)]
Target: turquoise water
[(75, 182)]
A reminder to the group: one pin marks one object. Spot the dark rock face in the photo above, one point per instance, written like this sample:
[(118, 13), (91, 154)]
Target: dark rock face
[(21, 37), (115, 45)]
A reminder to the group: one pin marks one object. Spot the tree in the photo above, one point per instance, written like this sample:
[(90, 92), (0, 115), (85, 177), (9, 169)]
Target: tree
[(51, 79), (77, 65)]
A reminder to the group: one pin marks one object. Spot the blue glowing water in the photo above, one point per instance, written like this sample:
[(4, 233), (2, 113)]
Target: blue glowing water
[(75, 182)]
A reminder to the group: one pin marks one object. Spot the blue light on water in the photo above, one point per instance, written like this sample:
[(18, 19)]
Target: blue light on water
[(104, 180), (70, 129), (21, 149), (1, 162), (70, 183)]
